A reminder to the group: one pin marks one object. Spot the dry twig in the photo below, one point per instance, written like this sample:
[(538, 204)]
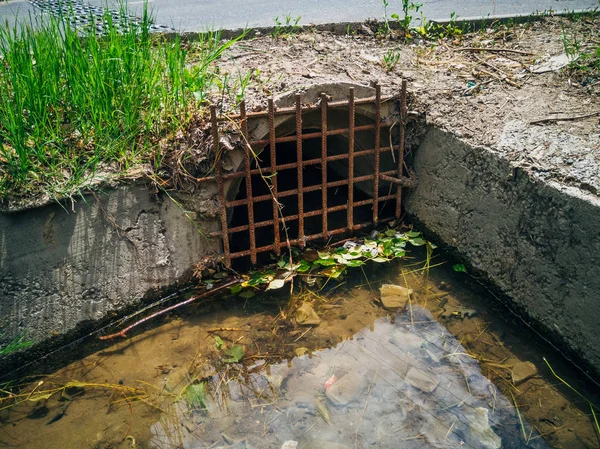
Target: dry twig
[(565, 119), (123, 333), (495, 50)]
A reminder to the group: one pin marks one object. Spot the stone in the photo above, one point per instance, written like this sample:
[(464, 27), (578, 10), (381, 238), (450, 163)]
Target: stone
[(346, 390), (306, 316), (522, 371), (290, 444), (301, 351), (426, 382), (481, 432), (394, 297)]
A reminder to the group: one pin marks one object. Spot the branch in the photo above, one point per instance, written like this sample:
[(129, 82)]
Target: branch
[(123, 333), (496, 50), (565, 119)]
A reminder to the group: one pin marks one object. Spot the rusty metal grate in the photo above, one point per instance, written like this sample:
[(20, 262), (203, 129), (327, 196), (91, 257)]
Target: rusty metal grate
[(272, 168)]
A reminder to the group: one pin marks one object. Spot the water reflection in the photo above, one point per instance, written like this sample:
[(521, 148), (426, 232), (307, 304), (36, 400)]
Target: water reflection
[(406, 383)]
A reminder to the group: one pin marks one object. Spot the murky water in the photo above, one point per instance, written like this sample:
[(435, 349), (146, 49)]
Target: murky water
[(436, 375)]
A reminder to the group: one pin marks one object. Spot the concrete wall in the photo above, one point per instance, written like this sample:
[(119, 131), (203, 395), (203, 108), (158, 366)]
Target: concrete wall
[(539, 242), (60, 266)]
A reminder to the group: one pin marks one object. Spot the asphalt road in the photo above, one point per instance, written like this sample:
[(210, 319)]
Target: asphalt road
[(198, 15)]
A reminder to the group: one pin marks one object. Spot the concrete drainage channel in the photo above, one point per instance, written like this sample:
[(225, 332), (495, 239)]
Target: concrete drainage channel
[(65, 266)]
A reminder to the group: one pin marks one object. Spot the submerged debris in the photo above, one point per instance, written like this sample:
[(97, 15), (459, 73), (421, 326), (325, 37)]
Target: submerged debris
[(398, 381), (523, 371), (306, 315), (394, 297)]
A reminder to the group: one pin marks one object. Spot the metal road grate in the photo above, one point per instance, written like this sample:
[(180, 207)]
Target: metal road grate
[(272, 168), (82, 15)]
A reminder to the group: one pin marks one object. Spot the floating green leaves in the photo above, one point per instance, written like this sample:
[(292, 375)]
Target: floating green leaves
[(459, 268), (236, 288), (332, 263), (234, 354), (196, 395)]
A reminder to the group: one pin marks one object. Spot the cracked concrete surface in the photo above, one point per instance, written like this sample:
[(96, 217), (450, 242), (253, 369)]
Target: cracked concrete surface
[(537, 240), (61, 266)]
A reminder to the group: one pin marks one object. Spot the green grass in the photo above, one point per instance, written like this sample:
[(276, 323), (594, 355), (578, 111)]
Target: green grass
[(583, 50), (288, 28), (73, 101), (14, 345)]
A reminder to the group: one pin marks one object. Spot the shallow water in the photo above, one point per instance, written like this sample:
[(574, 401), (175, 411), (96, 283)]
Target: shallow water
[(425, 377), (405, 379)]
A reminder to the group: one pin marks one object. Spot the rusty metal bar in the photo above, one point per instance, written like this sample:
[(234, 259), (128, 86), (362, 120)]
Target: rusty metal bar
[(312, 213), (343, 182), (402, 181), (300, 168), (292, 110), (401, 148), (391, 176), (263, 249), (377, 153), (331, 132), (292, 165), (220, 186), (272, 146), (249, 200), (324, 162), (351, 159)]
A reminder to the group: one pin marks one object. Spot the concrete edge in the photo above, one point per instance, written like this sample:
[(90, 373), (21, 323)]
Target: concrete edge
[(341, 28)]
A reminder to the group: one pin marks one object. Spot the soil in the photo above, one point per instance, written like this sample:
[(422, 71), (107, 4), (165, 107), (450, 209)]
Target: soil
[(488, 98), (159, 362)]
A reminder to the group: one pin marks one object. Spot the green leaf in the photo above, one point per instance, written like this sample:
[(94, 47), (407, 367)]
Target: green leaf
[(326, 262), (370, 243), (355, 263), (275, 284), (379, 259), (218, 341), (324, 255), (39, 397), (390, 232), (339, 259), (334, 272), (417, 242), (459, 268), (234, 355), (247, 294), (196, 395), (304, 267), (236, 288), (350, 256), (412, 234)]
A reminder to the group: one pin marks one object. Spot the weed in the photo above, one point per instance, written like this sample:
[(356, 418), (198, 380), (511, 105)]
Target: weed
[(593, 407), (405, 22), (74, 100), (583, 55), (386, 22), (391, 59), (287, 29), (14, 345)]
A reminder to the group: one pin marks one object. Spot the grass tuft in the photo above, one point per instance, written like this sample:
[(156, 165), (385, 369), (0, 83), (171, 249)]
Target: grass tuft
[(76, 100)]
